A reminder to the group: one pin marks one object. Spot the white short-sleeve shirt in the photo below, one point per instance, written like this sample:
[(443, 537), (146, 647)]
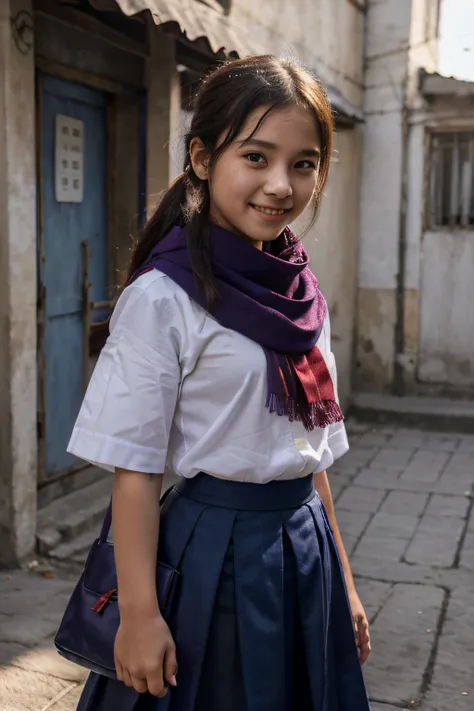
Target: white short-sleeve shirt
[(173, 390)]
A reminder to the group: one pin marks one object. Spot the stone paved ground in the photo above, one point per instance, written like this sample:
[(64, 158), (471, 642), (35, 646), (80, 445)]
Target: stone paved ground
[(404, 503)]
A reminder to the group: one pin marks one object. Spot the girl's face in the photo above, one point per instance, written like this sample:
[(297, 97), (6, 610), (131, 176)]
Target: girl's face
[(261, 184)]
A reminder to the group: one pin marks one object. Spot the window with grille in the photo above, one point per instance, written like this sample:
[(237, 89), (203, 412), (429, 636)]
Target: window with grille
[(451, 202)]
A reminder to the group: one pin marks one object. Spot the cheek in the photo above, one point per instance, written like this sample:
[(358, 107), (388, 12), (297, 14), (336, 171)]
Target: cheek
[(304, 191), (232, 181)]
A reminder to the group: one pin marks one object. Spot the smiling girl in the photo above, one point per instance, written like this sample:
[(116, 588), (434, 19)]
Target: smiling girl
[(219, 368)]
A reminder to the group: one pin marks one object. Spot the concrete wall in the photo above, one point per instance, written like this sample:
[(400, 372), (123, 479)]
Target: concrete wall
[(399, 40), (327, 35), (17, 288)]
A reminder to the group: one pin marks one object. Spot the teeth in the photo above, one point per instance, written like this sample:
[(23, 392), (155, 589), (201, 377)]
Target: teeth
[(268, 211)]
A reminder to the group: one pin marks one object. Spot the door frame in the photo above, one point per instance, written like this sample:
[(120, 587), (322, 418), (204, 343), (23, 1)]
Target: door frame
[(111, 89)]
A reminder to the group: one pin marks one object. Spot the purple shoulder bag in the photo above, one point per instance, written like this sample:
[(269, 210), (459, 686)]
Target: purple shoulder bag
[(89, 626)]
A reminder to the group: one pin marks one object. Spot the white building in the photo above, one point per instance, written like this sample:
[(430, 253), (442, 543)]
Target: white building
[(91, 98)]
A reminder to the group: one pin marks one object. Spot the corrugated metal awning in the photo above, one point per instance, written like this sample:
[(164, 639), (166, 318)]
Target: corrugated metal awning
[(196, 18)]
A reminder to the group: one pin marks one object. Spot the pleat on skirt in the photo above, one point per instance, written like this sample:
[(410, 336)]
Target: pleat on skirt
[(261, 618)]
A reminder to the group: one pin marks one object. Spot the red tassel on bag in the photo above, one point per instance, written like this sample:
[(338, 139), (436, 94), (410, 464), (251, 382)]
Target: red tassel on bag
[(103, 600)]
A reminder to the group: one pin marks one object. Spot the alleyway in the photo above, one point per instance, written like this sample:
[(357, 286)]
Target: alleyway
[(404, 503)]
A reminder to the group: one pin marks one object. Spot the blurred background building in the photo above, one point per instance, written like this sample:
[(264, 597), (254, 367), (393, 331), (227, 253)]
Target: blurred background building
[(94, 98)]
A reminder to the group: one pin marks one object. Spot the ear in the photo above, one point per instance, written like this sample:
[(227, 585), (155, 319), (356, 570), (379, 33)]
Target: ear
[(200, 156)]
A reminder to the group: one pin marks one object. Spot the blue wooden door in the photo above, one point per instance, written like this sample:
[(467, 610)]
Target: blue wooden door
[(65, 227)]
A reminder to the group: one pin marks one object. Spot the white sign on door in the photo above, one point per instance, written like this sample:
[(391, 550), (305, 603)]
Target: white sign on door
[(69, 159)]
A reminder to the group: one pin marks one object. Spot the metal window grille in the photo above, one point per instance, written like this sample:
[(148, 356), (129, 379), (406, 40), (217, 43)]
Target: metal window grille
[(451, 202)]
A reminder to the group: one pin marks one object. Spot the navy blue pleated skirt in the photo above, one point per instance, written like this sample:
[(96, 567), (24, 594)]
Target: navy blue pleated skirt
[(261, 618)]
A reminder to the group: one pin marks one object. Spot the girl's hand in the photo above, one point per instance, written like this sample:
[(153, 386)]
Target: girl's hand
[(361, 627), (145, 654)]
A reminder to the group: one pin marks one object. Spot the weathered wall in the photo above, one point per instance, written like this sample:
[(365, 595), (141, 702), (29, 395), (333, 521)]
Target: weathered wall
[(447, 317), (73, 47), (399, 40), (332, 245), (327, 35), (163, 115), (17, 291)]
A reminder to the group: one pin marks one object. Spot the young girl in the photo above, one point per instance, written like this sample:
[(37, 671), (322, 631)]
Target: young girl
[(219, 368)]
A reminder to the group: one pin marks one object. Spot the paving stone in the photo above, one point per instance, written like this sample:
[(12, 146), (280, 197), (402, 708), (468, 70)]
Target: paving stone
[(350, 543), (341, 477), (357, 426), (456, 484), (389, 458), (435, 542), (10, 650), (336, 490), (381, 548), (70, 701), (405, 502), (448, 506), (356, 498), (27, 629), (378, 478), (425, 466), (438, 442), (460, 464), (373, 594), (22, 690), (467, 553), (466, 446), (373, 439), (357, 457), (352, 522), (409, 441), (375, 706), (470, 523), (401, 645), (21, 591), (452, 686), (45, 659), (387, 525)]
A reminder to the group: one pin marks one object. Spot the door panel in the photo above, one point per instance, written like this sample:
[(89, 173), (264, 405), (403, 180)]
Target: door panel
[(65, 227), (446, 314)]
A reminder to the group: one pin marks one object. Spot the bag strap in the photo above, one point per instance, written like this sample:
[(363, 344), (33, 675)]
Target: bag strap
[(108, 516)]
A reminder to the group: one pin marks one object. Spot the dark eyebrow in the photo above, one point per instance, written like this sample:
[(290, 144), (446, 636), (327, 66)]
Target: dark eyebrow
[(258, 142)]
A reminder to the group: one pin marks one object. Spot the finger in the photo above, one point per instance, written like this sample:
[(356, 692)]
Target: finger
[(365, 651), (170, 666), (127, 679), (155, 683), (139, 685), (119, 670)]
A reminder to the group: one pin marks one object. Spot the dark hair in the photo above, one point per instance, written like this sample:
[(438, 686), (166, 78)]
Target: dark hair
[(225, 99)]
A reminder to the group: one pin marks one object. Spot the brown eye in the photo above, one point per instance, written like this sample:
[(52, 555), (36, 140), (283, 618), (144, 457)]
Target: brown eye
[(306, 164), (254, 157)]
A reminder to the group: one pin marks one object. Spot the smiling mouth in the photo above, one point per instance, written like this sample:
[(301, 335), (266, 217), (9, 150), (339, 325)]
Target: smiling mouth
[(269, 210)]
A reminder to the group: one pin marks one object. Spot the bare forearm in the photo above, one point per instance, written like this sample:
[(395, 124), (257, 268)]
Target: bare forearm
[(136, 518), (321, 484)]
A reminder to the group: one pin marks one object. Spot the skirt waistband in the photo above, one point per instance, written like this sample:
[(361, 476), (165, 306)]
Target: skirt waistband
[(245, 496)]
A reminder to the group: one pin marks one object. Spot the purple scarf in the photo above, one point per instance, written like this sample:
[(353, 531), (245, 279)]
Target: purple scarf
[(272, 298)]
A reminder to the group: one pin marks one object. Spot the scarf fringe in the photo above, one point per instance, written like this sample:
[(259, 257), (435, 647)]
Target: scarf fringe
[(315, 414)]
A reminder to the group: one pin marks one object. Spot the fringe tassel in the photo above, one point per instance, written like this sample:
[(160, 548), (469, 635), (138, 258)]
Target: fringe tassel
[(315, 414)]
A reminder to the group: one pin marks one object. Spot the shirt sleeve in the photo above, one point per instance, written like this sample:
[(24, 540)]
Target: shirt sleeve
[(128, 409), (337, 444)]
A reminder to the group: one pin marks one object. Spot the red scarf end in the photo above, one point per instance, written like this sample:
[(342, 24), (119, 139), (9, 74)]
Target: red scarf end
[(316, 414)]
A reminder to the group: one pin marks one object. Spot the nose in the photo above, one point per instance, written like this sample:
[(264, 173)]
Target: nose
[(278, 183)]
